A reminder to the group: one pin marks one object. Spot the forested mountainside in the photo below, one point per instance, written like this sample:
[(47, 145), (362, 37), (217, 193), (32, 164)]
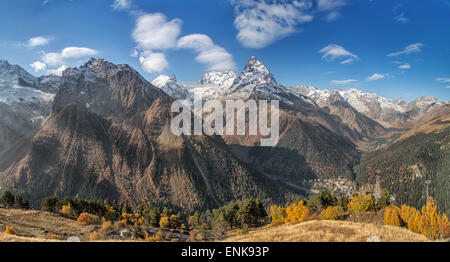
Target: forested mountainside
[(421, 155)]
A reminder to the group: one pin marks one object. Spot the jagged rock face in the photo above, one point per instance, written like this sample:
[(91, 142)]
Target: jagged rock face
[(171, 86), (390, 114), (24, 105), (364, 126), (109, 137)]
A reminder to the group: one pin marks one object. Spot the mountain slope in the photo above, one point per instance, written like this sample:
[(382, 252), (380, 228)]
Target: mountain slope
[(390, 114), (109, 138), (25, 103), (419, 155)]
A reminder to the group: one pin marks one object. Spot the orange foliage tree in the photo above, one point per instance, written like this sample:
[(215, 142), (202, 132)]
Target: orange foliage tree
[(296, 213)]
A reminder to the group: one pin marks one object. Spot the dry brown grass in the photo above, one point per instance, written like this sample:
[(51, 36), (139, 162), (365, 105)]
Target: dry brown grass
[(39, 226), (329, 231)]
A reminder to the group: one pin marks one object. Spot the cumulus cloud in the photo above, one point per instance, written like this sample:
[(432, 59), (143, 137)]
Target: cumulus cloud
[(121, 4), (332, 52), (57, 71), (411, 49), (343, 82), (53, 59), (443, 80), (57, 61), (404, 66), (38, 66), (262, 22), (153, 62), (214, 56), (375, 76), (37, 41), (155, 32)]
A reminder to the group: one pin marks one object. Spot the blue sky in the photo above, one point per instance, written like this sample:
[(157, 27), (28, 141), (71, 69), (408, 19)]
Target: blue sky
[(392, 48)]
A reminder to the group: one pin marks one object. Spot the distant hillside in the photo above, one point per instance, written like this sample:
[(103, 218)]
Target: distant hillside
[(421, 154), (329, 231)]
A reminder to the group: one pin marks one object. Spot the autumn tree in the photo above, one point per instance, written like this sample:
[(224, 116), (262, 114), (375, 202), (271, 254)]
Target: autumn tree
[(296, 213), (361, 203), (332, 213)]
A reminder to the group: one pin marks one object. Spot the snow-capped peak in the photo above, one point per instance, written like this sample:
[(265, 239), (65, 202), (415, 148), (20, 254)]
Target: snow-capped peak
[(223, 79), (171, 86), (161, 81), (254, 65)]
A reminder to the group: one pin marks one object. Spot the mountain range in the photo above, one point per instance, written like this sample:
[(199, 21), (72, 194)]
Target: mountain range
[(102, 131)]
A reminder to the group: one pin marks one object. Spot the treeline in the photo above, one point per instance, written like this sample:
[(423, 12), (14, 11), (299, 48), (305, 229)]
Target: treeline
[(430, 222), (9, 200), (407, 165)]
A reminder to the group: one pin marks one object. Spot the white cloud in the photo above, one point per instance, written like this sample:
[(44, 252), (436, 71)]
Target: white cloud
[(326, 5), (343, 82), (53, 59), (401, 18), (332, 52), (153, 62), (38, 66), (45, 2), (443, 80), (260, 23), (411, 49), (215, 57), (121, 4), (58, 59), (37, 41), (77, 52), (405, 66), (375, 76), (154, 32), (447, 87), (57, 71)]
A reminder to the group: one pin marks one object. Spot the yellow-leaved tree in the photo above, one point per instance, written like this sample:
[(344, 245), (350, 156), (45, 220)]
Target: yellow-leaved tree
[(297, 213), (278, 215), (361, 203), (392, 216)]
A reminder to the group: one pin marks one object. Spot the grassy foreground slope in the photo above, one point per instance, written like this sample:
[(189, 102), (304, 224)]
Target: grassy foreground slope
[(39, 226), (329, 231)]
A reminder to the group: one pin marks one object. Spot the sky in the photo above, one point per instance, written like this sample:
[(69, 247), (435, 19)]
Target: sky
[(393, 48)]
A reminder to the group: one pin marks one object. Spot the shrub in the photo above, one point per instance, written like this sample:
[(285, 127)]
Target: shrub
[(50, 204), (67, 210), (87, 219), (120, 224), (332, 213), (10, 230), (8, 199), (164, 222), (94, 236), (278, 215), (361, 203)]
